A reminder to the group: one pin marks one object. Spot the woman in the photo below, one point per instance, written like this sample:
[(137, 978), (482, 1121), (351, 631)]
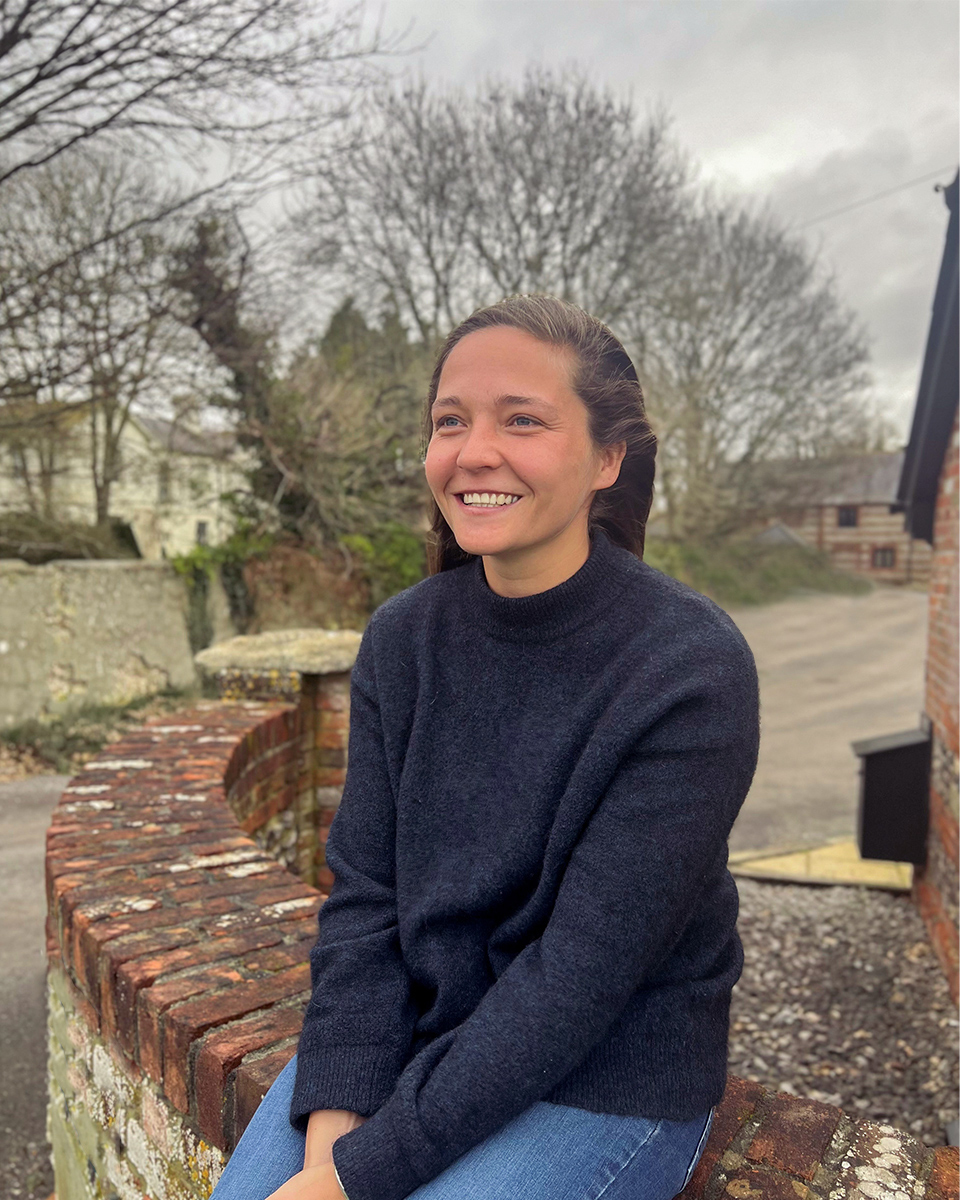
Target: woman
[(522, 981)]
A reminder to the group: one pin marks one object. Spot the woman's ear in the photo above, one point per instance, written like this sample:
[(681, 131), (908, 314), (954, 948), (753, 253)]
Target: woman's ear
[(611, 459)]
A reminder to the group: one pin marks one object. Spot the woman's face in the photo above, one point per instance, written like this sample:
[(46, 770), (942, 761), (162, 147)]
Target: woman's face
[(511, 462)]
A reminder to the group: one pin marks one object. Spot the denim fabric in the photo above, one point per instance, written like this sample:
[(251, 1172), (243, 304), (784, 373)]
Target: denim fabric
[(548, 1152)]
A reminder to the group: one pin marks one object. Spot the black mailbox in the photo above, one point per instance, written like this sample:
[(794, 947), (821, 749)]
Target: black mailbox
[(894, 796)]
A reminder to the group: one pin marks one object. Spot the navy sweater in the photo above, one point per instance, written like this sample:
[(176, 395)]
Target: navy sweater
[(531, 897)]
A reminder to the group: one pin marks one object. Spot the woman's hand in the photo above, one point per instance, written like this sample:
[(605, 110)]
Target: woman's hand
[(312, 1183)]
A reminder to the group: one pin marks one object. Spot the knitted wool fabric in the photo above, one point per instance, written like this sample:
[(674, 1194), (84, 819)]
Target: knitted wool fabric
[(531, 898)]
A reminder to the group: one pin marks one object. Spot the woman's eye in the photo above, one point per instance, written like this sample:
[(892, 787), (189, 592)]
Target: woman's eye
[(442, 422), (525, 421)]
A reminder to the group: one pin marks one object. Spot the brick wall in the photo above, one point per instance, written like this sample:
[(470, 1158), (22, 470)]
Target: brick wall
[(936, 885), (178, 970), (178, 945), (852, 549)]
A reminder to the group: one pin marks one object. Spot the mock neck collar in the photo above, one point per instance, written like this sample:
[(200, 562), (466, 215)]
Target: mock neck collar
[(544, 616)]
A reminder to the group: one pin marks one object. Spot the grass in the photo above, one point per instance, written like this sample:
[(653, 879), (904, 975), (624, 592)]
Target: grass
[(63, 743), (746, 572)]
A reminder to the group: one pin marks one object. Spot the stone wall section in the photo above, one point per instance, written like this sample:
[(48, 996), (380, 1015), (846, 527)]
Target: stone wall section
[(178, 972), (94, 632), (936, 884)]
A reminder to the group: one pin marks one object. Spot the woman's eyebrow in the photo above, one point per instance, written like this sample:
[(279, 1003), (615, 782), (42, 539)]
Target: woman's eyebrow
[(500, 402)]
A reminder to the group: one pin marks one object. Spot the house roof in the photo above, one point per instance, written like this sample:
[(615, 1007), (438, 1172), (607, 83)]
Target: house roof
[(210, 443), (936, 405), (858, 479)]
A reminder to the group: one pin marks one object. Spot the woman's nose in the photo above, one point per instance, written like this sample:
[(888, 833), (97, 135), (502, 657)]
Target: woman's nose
[(479, 449)]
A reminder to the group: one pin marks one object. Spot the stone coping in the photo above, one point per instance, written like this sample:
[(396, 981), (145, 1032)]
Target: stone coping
[(307, 651), (182, 951)]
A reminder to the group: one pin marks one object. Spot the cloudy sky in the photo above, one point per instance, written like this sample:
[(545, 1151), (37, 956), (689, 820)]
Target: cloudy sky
[(810, 105)]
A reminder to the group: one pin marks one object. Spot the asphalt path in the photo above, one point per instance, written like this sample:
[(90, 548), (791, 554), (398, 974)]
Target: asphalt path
[(25, 808), (833, 669)]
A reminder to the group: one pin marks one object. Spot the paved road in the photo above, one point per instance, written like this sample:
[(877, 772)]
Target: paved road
[(832, 669), (25, 809)]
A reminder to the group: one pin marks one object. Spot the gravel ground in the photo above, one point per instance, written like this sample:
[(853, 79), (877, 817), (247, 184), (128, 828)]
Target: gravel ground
[(842, 1000)]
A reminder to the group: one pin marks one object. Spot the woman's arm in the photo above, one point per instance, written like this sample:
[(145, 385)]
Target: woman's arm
[(628, 890), (359, 1023)]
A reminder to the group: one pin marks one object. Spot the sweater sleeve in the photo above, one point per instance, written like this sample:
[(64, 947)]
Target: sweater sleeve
[(627, 892), (358, 1025)]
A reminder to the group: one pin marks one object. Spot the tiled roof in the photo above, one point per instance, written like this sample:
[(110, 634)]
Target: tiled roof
[(211, 443)]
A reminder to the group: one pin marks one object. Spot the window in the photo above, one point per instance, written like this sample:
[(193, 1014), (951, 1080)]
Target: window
[(163, 489), (884, 557), (201, 533), (847, 516)]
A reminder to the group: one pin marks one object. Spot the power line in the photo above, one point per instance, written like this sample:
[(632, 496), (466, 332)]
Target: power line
[(836, 212)]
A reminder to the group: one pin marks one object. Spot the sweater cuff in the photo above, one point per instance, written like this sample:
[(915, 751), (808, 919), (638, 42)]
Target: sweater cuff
[(370, 1162), (356, 1078)]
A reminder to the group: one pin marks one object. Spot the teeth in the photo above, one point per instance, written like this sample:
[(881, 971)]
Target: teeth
[(489, 499)]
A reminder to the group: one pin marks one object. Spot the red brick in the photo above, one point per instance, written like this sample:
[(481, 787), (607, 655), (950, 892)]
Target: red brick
[(222, 1052), (253, 1081), (176, 938), (943, 1182), (153, 1002), (739, 1100), (139, 973), (278, 958), (794, 1135), (187, 1021), (86, 946)]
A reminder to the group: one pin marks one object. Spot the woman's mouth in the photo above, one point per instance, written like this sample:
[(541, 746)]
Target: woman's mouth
[(486, 500)]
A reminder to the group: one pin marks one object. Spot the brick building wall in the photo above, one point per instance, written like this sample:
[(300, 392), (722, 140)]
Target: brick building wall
[(877, 537), (936, 884)]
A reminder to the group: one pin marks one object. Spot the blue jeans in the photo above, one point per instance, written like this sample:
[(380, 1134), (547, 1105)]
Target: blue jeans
[(548, 1152)]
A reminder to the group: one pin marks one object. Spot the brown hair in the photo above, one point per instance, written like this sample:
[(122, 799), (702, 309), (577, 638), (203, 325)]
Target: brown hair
[(605, 380)]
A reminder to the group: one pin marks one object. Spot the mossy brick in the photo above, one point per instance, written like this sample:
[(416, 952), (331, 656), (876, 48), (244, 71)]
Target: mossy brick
[(943, 1182), (794, 1134), (187, 1021), (277, 802), (153, 1002), (737, 1105), (759, 1183), (223, 1050), (252, 1082), (880, 1161)]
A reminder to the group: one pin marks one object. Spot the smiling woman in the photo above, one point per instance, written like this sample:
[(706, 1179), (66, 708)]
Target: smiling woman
[(522, 979), (535, 399)]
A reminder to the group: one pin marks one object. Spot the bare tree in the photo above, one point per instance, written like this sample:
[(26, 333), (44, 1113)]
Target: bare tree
[(444, 202), (100, 337), (344, 444), (747, 355), (243, 73)]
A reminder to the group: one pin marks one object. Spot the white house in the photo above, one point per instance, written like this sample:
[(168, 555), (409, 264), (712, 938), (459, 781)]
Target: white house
[(170, 490)]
